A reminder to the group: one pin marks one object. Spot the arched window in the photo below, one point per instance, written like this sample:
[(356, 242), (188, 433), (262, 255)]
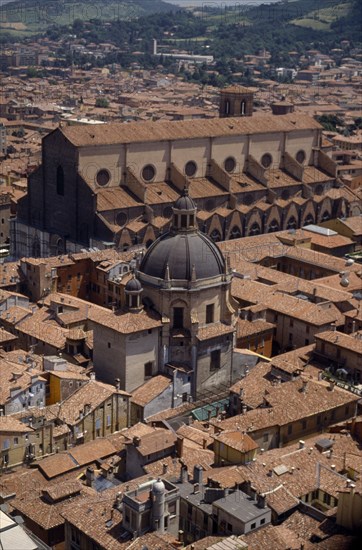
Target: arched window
[(60, 181), (273, 226), (235, 233), (215, 236), (227, 107), (60, 247), (255, 229), (326, 216), (292, 223), (242, 108), (308, 220), (36, 248)]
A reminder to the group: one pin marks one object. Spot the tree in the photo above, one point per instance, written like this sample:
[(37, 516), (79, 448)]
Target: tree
[(31, 72), (20, 133), (102, 102)]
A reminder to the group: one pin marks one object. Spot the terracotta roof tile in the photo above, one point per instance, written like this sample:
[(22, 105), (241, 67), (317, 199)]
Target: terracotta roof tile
[(107, 134), (214, 330), (150, 390)]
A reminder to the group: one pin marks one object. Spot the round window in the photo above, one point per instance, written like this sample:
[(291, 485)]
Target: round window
[(103, 177), (210, 205), (248, 199), (121, 218), (148, 172), (190, 168), (319, 190), (230, 164), (266, 160), (167, 212), (300, 156)]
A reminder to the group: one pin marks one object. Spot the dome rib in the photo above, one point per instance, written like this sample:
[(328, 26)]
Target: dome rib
[(180, 251)]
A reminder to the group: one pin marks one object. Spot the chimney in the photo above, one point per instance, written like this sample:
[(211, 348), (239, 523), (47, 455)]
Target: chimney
[(117, 383), (118, 500), (136, 441), (304, 386), (333, 466), (261, 501), (89, 475), (181, 536), (164, 468), (301, 444), (180, 446), (198, 472), (331, 385), (252, 493), (184, 474), (244, 409), (204, 443), (92, 375)]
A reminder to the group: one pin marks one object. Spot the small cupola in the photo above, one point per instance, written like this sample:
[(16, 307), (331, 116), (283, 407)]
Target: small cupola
[(184, 213), (133, 292)]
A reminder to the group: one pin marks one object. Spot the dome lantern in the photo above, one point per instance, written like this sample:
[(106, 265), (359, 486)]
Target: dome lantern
[(133, 292), (184, 213)]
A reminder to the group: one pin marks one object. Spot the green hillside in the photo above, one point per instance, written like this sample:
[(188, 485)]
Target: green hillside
[(31, 16), (324, 17)]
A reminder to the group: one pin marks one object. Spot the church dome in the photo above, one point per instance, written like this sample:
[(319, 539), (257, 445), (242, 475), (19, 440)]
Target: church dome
[(184, 253), (178, 253), (133, 285)]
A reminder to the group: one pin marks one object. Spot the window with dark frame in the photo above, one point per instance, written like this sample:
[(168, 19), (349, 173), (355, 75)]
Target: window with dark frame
[(60, 181), (210, 313), (148, 369), (215, 357), (178, 317)]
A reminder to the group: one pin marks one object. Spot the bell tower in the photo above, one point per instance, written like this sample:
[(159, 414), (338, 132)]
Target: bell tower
[(236, 101)]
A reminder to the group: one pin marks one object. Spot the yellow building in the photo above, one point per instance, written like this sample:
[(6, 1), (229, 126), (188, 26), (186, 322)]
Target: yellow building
[(234, 447), (62, 384), (349, 511)]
